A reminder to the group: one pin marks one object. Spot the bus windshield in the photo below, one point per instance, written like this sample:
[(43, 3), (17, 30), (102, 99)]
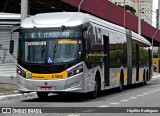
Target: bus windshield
[(50, 47)]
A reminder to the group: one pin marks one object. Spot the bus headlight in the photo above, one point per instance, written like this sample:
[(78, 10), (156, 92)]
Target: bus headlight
[(21, 72), (76, 70)]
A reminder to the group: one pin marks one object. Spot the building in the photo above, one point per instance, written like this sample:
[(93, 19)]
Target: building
[(121, 2), (146, 8), (158, 16), (8, 21)]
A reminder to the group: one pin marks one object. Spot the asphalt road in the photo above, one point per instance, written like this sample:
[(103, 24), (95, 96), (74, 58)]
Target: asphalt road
[(137, 99)]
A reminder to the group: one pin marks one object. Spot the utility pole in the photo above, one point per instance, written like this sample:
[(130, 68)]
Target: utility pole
[(139, 17), (124, 13), (24, 9), (157, 19), (158, 16)]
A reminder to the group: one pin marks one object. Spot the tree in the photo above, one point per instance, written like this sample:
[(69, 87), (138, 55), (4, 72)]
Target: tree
[(129, 8)]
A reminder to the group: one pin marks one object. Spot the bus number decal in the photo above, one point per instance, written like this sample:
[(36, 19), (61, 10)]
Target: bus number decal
[(57, 76)]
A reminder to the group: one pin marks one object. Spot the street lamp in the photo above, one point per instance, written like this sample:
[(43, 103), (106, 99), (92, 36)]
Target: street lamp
[(79, 7), (152, 36), (152, 47)]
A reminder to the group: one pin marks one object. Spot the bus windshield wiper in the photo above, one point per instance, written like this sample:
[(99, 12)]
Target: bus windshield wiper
[(41, 47), (42, 52), (55, 49)]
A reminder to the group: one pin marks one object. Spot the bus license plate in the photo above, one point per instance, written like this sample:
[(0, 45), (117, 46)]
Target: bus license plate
[(46, 88)]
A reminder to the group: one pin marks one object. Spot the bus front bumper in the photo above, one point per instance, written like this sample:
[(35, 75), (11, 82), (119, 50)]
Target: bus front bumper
[(71, 84)]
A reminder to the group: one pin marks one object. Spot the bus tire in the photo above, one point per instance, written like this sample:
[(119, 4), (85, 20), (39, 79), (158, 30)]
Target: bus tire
[(121, 82), (147, 76), (96, 90), (42, 95), (144, 78)]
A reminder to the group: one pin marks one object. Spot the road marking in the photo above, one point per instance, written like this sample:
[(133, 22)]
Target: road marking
[(156, 90), (89, 110), (124, 100), (146, 93), (133, 98), (140, 95), (151, 91), (104, 106), (114, 103), (73, 115)]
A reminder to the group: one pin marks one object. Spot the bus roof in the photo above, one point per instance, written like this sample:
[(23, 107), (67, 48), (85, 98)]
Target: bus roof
[(139, 38), (71, 19), (64, 18)]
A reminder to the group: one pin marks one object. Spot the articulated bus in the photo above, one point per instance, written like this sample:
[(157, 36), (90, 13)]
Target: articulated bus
[(80, 53)]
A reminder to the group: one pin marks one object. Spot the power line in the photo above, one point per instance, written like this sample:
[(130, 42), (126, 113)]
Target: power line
[(52, 7), (5, 6), (149, 19)]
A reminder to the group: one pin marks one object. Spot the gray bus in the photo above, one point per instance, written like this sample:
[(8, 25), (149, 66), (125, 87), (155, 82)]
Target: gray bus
[(79, 53)]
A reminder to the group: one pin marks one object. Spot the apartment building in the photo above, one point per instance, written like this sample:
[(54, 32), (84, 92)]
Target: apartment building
[(158, 19), (146, 8), (121, 2)]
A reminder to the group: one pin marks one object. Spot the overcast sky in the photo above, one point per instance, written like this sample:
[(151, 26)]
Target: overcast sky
[(155, 6)]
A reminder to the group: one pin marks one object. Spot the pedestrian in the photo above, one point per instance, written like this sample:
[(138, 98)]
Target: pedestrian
[(155, 67)]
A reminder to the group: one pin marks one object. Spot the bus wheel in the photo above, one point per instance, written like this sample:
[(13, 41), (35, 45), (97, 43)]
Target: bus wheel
[(147, 76), (42, 95), (144, 78), (96, 90), (120, 88)]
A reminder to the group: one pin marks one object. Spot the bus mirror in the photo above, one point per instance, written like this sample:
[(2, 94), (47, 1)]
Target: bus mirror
[(11, 47), (15, 30)]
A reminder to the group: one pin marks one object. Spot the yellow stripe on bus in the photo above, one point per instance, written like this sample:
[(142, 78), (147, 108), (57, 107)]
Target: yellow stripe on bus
[(141, 74), (56, 76), (118, 77)]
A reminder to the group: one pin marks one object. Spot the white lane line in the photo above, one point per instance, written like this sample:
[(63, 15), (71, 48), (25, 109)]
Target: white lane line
[(133, 98), (104, 106), (114, 103), (156, 90), (140, 95), (146, 93), (151, 91), (73, 115), (89, 110), (124, 100)]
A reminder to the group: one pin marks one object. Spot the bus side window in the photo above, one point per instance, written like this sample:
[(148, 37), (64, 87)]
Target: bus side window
[(89, 39)]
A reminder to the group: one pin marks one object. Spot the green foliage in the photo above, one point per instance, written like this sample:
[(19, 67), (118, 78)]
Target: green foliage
[(118, 57), (143, 56), (129, 8)]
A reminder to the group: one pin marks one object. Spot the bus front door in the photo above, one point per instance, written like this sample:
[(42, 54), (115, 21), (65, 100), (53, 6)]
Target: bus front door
[(106, 60)]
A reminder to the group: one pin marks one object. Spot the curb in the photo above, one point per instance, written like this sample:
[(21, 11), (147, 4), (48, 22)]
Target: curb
[(16, 96), (156, 75)]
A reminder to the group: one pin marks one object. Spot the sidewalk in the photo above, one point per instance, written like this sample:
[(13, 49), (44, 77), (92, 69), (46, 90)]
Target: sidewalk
[(9, 91), (156, 74)]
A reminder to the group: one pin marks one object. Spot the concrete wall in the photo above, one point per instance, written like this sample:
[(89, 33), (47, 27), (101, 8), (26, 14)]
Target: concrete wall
[(7, 61)]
